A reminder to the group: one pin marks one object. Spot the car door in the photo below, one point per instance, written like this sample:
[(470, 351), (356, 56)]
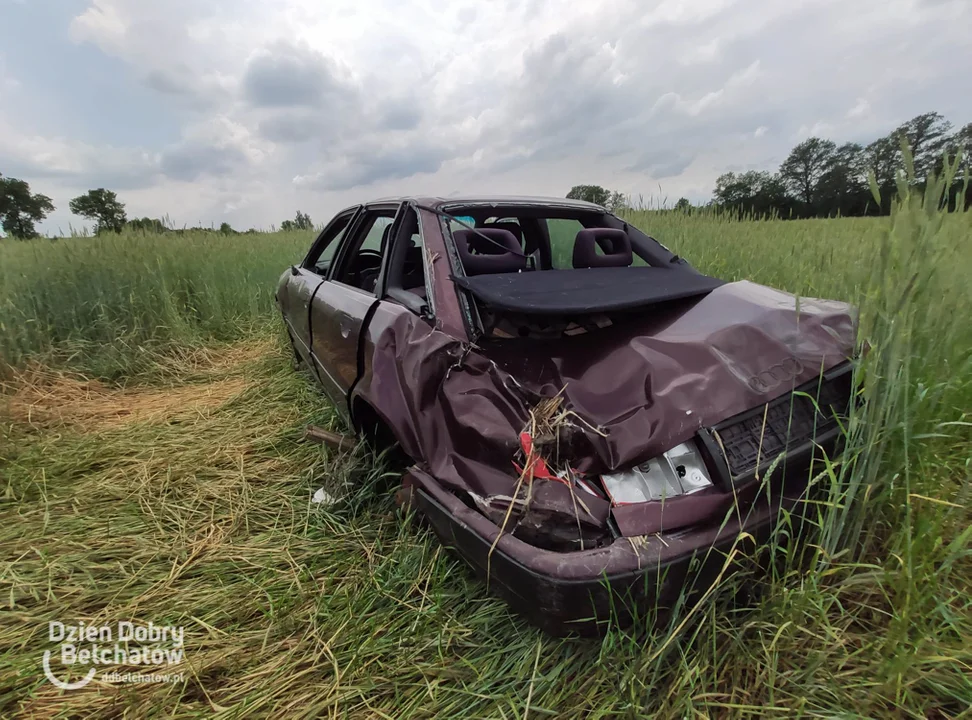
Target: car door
[(304, 280), (340, 305)]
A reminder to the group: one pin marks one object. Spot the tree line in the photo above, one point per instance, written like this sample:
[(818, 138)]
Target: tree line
[(822, 179), (21, 210)]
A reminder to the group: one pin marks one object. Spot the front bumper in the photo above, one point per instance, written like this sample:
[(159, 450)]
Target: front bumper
[(585, 591), (651, 575)]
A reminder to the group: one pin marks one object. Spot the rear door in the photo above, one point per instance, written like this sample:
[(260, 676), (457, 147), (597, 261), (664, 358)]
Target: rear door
[(342, 302), (307, 277)]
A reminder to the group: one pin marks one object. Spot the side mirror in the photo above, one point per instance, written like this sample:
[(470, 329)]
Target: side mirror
[(294, 270)]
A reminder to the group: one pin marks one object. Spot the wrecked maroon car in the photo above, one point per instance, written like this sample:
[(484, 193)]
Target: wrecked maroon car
[(593, 423)]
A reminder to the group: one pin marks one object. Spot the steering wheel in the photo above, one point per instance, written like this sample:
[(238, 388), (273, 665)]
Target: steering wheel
[(366, 268), (367, 252)]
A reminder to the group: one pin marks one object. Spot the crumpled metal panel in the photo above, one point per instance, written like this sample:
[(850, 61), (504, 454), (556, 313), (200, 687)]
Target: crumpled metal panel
[(647, 385)]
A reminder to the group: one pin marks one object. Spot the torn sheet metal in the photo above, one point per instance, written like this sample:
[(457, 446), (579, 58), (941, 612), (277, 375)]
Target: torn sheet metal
[(644, 387)]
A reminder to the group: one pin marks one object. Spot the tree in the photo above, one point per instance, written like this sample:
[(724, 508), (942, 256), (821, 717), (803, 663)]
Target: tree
[(146, 225), (683, 205), (732, 190), (591, 193), (961, 142), (303, 221), (758, 193), (928, 137), (227, 229), (842, 189), (960, 147), (101, 206), (617, 202), (20, 209), (883, 158), (802, 170)]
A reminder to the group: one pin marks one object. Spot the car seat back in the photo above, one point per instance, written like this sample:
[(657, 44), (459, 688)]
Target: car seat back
[(615, 248), (488, 251)]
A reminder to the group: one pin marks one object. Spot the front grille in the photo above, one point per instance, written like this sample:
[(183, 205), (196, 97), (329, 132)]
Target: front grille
[(784, 423)]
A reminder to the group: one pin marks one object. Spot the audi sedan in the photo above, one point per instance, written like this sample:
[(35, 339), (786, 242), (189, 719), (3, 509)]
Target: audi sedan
[(591, 422)]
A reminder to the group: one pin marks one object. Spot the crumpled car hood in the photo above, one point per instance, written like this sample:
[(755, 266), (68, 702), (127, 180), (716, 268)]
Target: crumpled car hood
[(644, 385), (652, 384)]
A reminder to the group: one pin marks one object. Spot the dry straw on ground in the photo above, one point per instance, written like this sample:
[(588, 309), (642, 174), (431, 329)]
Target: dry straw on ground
[(48, 399)]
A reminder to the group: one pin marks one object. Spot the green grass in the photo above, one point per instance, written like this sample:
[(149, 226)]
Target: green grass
[(109, 304), (199, 514)]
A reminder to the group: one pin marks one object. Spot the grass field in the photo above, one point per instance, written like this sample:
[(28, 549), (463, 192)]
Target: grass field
[(151, 468)]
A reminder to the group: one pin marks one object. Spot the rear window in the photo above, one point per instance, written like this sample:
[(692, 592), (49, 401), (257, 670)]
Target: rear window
[(562, 234), (533, 227)]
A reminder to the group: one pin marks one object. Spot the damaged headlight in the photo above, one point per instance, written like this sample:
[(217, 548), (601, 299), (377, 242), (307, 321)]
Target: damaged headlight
[(680, 471)]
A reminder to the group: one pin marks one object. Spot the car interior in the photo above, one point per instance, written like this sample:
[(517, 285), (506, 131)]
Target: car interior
[(532, 239), (363, 264), (537, 271), (363, 267), (526, 243)]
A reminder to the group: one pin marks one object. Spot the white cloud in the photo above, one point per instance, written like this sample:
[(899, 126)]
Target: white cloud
[(218, 146), (861, 108), (102, 23), (701, 53), (61, 157), (298, 103)]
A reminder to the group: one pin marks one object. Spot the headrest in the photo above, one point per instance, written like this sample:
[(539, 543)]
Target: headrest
[(488, 251), (529, 243), (614, 244), (513, 227)]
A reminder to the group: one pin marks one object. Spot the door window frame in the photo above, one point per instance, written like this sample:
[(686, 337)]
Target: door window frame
[(355, 236), (391, 277), (328, 235)]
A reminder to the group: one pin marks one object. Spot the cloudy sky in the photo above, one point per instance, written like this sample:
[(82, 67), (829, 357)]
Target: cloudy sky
[(246, 110)]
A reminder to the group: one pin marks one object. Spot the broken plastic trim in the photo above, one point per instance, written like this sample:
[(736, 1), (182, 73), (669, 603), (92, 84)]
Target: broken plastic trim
[(680, 471)]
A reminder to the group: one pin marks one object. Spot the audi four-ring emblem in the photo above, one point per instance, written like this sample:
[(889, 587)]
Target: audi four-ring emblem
[(776, 375)]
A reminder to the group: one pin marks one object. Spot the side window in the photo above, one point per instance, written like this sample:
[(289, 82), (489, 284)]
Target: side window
[(326, 245), (411, 275), (360, 264), (406, 279), (372, 240), (562, 233)]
